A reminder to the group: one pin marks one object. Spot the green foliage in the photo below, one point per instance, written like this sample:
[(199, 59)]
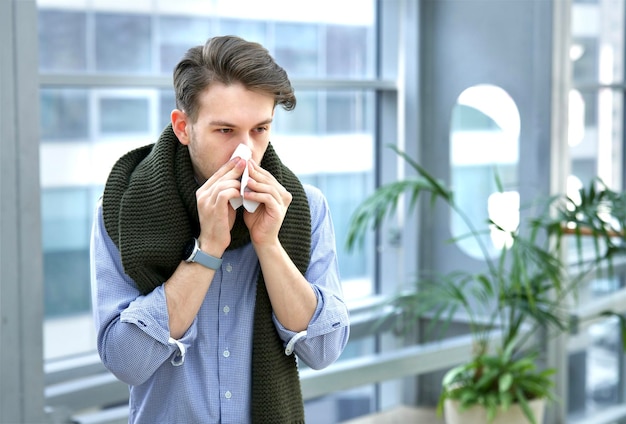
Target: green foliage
[(522, 292), (496, 382)]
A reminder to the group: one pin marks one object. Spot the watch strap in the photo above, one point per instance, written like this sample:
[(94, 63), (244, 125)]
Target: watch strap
[(207, 260), (204, 258)]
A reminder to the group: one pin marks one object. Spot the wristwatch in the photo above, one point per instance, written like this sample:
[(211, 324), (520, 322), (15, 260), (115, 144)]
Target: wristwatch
[(192, 253)]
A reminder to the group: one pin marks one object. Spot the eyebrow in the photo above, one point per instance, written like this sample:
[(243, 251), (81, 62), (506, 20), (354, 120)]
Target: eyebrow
[(219, 123)]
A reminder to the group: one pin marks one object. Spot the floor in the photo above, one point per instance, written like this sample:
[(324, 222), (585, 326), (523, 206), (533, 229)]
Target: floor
[(400, 415)]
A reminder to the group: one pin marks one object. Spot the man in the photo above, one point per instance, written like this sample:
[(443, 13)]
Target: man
[(199, 306)]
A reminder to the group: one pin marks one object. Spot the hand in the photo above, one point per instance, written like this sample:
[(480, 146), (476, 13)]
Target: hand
[(216, 215), (273, 198)]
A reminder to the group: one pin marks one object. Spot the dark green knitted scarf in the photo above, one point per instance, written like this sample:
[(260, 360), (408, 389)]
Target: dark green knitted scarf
[(149, 211)]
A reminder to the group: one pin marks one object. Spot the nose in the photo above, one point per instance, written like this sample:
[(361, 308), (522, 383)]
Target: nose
[(243, 151), (247, 141)]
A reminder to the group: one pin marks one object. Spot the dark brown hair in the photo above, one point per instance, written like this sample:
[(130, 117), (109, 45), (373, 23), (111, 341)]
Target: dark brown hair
[(229, 60)]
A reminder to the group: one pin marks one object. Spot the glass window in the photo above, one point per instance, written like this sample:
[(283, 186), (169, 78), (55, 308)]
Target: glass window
[(485, 146), (328, 140), (66, 225), (64, 114), (596, 143), (106, 121), (333, 159), (348, 112), (354, 265), (327, 112), (596, 128), (304, 119), (597, 48), (250, 30), (595, 366), (341, 406), (346, 404), (596, 131), (584, 53), (62, 40), (167, 103), (296, 48), (123, 43), (176, 34), (347, 53), (125, 115)]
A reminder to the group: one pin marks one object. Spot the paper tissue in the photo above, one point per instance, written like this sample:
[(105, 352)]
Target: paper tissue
[(245, 153)]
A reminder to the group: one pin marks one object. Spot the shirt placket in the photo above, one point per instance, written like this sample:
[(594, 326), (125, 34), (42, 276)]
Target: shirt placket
[(225, 320)]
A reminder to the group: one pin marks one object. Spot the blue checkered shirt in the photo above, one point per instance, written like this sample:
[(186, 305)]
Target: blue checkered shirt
[(204, 377)]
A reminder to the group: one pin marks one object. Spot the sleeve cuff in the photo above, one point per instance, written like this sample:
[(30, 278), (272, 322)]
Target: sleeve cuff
[(291, 344), (179, 357)]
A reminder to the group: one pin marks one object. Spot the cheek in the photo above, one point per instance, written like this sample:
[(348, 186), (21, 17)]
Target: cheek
[(259, 151), (204, 163)]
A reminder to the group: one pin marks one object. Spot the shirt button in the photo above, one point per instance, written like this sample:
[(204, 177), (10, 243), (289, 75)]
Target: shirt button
[(226, 309), (226, 353), (229, 267), (228, 394)]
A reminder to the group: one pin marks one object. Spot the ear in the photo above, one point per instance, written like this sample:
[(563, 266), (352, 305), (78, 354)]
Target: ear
[(181, 126)]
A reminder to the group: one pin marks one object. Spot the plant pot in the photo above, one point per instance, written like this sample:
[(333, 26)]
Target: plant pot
[(478, 415)]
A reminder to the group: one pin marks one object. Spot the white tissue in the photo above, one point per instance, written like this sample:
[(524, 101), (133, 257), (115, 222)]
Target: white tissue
[(243, 152)]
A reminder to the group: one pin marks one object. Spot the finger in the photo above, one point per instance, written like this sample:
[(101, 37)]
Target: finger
[(231, 170), (266, 193), (259, 174)]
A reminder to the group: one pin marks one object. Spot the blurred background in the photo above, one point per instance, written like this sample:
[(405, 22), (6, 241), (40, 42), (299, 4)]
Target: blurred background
[(535, 88)]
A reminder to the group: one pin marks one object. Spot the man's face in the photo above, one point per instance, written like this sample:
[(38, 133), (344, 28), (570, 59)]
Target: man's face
[(228, 115)]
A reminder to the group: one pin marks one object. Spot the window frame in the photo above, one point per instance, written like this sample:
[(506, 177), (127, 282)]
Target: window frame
[(87, 367)]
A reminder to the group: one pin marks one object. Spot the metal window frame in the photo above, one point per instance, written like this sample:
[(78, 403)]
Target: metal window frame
[(21, 276), (61, 386)]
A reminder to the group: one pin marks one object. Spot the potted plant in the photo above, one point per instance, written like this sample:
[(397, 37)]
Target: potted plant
[(520, 297)]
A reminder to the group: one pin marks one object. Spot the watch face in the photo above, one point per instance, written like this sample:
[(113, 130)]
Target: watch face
[(188, 249)]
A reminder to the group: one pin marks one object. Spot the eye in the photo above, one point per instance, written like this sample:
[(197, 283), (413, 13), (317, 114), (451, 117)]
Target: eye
[(261, 129), (225, 130)]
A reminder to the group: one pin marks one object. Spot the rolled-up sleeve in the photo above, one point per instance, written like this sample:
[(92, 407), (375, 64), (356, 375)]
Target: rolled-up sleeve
[(133, 337), (328, 331)]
